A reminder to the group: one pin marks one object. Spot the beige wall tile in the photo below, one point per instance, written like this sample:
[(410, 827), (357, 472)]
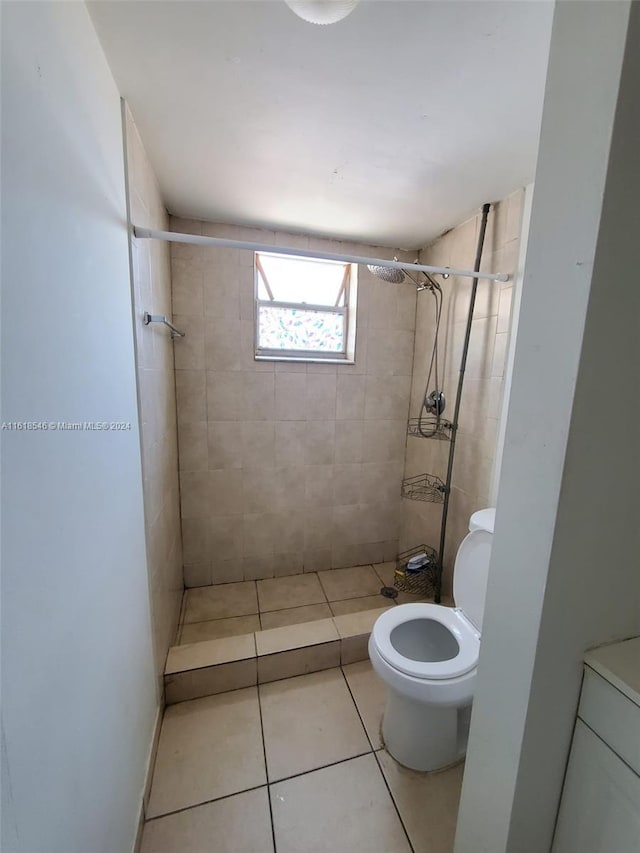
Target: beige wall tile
[(258, 535), (346, 484), (290, 442), (483, 381), (318, 490), (291, 420), (197, 574), (189, 351), (186, 287), (259, 567), (258, 444), (222, 343), (225, 538), (226, 492), (258, 396), (195, 494), (319, 442), (224, 396), (193, 447), (224, 442), (226, 571), (357, 554), (287, 564), (195, 536), (190, 396), (320, 395), (221, 290), (291, 396), (349, 441), (316, 559), (350, 397)]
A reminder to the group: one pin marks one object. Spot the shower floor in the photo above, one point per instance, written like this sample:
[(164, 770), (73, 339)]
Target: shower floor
[(228, 610)]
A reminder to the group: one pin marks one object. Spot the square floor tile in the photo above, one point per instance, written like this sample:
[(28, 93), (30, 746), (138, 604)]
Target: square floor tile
[(238, 824), (385, 572), (216, 629), (294, 616), (345, 808), (208, 748), (356, 605), (293, 591), (309, 722), (427, 802), (339, 584), (220, 602), (370, 695)]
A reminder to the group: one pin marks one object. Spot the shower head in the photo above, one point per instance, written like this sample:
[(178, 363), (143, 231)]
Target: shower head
[(390, 274)]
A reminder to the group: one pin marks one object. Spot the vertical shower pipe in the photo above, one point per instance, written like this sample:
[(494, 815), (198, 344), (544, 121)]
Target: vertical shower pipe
[(456, 411)]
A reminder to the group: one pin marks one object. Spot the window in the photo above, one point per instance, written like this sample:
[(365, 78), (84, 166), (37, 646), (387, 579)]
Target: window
[(305, 308)]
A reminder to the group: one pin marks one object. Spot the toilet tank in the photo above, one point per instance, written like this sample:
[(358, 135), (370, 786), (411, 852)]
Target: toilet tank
[(483, 519), (471, 570)]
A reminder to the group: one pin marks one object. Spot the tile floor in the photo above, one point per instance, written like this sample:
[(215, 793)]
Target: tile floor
[(294, 766), (227, 610)]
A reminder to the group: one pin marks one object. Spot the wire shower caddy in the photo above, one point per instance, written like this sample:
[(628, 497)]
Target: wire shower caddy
[(422, 581), (442, 429), (424, 487)]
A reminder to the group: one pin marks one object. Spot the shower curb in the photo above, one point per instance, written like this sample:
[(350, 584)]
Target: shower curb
[(208, 667)]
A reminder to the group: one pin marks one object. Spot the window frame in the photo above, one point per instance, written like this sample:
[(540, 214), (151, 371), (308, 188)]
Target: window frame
[(347, 311)]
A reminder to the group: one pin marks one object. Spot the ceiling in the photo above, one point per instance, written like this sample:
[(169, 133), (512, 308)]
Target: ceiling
[(386, 128)]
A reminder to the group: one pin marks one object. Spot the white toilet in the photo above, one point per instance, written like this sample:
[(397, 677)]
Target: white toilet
[(427, 655)]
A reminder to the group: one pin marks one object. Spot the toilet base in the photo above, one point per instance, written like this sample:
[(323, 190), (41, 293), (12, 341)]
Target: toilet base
[(424, 737)]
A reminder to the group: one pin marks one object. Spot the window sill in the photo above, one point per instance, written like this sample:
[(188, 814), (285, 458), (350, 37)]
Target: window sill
[(305, 360)]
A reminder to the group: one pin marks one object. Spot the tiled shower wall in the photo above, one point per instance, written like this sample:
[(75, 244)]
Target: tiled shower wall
[(284, 467), (156, 393), (483, 384)]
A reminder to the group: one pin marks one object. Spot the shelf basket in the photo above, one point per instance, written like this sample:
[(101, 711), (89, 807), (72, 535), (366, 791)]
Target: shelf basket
[(421, 582), (430, 428), (424, 487)]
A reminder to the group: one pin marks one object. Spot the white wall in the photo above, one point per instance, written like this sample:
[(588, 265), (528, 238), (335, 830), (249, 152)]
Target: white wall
[(77, 668), (564, 573)]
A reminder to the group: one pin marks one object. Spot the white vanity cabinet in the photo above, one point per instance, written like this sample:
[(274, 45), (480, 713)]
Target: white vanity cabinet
[(600, 805)]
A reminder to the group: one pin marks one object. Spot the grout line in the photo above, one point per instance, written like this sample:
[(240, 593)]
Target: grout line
[(206, 802), (322, 767), (220, 618), (266, 770), (384, 778)]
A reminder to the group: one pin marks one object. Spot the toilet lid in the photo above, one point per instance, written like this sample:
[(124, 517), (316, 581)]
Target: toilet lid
[(471, 573), (452, 619)]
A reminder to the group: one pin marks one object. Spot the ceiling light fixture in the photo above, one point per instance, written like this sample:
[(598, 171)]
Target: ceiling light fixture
[(322, 11)]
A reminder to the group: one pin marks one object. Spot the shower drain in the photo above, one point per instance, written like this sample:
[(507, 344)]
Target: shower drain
[(389, 592)]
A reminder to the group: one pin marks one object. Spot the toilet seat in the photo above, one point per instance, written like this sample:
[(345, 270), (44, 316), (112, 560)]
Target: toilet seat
[(453, 619)]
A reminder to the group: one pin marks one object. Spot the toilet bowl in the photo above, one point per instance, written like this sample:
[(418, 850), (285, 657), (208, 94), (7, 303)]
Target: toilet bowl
[(427, 655)]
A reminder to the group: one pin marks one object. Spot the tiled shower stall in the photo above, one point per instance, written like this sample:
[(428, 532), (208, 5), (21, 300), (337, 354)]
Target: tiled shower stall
[(284, 467)]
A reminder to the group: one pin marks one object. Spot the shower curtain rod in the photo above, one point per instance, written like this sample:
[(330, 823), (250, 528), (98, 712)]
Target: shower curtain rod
[(174, 237)]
